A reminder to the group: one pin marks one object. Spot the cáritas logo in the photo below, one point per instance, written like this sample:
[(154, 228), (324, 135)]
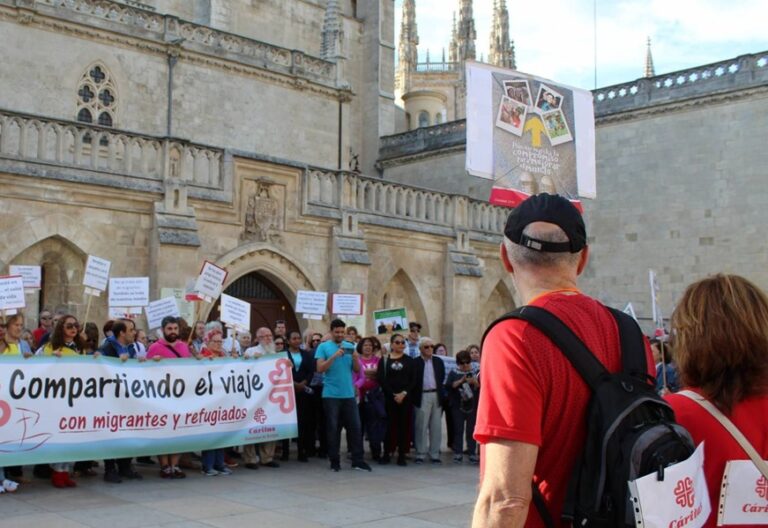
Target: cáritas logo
[(761, 487), (684, 495)]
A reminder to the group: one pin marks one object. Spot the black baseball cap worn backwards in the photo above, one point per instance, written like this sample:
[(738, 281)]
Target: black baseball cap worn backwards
[(551, 208)]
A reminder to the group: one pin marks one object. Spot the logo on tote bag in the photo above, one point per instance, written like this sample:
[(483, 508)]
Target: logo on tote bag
[(684, 495)]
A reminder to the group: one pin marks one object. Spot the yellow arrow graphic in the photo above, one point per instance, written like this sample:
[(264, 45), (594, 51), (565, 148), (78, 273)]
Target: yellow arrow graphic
[(536, 128)]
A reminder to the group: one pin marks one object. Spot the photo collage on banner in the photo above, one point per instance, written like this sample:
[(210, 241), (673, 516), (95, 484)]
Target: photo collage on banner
[(529, 135)]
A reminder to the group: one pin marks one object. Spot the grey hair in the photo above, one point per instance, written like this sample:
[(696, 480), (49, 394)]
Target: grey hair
[(527, 257)]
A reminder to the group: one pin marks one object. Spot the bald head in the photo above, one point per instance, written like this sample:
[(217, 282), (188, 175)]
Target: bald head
[(264, 335)]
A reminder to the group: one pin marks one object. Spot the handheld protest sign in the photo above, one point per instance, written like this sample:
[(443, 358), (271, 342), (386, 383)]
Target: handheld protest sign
[(390, 320), (96, 275), (129, 294), (11, 294), (347, 303), (311, 304), (31, 275), (235, 313), (210, 281), (157, 310)]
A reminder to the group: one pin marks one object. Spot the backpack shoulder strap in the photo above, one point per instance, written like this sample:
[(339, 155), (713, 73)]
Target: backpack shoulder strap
[(573, 348), (632, 342)]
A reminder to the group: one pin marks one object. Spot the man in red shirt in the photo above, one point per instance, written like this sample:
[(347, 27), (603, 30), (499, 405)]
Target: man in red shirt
[(531, 415)]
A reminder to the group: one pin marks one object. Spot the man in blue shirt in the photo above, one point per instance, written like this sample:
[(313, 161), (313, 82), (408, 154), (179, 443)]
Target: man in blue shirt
[(338, 359)]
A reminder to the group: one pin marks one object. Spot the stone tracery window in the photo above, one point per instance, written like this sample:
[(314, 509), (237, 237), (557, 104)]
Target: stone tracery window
[(97, 96)]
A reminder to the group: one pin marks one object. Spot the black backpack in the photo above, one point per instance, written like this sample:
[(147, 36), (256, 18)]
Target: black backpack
[(631, 431)]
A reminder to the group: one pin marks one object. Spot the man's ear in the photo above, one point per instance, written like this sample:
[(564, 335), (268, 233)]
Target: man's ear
[(583, 259), (505, 258)]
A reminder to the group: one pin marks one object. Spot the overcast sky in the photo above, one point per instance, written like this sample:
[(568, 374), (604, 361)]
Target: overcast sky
[(555, 39)]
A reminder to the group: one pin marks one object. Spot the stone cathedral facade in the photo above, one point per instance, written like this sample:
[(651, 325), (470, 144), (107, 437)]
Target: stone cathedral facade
[(269, 137)]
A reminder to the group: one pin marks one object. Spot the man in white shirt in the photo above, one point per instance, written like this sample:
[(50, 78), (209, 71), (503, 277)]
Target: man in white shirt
[(266, 450)]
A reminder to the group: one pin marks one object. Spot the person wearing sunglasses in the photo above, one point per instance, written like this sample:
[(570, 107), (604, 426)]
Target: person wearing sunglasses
[(463, 386), (66, 339), (397, 375)]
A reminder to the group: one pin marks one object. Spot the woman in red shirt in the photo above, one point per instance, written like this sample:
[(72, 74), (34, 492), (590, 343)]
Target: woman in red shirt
[(720, 329)]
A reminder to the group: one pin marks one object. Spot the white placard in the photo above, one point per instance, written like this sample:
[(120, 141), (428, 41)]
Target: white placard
[(128, 292), (186, 308), (96, 273), (164, 307), (743, 495), (347, 303), (12, 292), (311, 302), (235, 312), (210, 280), (682, 495), (31, 275), (314, 317)]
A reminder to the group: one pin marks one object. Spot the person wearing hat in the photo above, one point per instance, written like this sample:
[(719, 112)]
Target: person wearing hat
[(413, 339), (531, 419)]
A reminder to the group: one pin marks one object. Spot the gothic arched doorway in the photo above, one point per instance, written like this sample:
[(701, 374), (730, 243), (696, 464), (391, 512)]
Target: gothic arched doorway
[(268, 303)]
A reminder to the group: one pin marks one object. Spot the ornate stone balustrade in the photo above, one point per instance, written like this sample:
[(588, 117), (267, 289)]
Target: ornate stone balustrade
[(379, 202), (162, 29), (436, 67), (741, 72), (438, 137), (83, 152)]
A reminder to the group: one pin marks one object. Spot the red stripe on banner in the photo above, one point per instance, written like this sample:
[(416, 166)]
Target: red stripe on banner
[(513, 197)]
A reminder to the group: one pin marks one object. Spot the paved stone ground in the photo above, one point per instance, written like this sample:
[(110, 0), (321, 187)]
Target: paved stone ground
[(301, 495)]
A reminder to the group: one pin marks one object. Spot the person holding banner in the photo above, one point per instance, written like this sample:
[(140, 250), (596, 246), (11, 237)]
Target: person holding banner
[(212, 460), (373, 413), (66, 339), (11, 342), (169, 347), (721, 347), (45, 325)]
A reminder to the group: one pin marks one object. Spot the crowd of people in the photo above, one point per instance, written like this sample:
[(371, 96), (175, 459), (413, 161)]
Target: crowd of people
[(392, 394)]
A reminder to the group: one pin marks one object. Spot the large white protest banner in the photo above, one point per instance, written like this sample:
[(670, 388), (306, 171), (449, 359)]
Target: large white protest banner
[(83, 408), (12, 292), (210, 280), (157, 310), (31, 275), (96, 274), (125, 292), (529, 135), (235, 312), (311, 302)]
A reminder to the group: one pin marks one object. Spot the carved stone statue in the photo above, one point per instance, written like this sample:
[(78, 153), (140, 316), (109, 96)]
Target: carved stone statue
[(262, 214)]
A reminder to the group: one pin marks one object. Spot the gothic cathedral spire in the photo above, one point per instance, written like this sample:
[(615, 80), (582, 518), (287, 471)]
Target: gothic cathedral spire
[(465, 33), (649, 69), (332, 32), (407, 49), (502, 52)]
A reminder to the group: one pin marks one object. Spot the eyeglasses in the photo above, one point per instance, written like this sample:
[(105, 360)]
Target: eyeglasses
[(398, 342), (427, 346), (315, 340), (280, 343), (70, 326)]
